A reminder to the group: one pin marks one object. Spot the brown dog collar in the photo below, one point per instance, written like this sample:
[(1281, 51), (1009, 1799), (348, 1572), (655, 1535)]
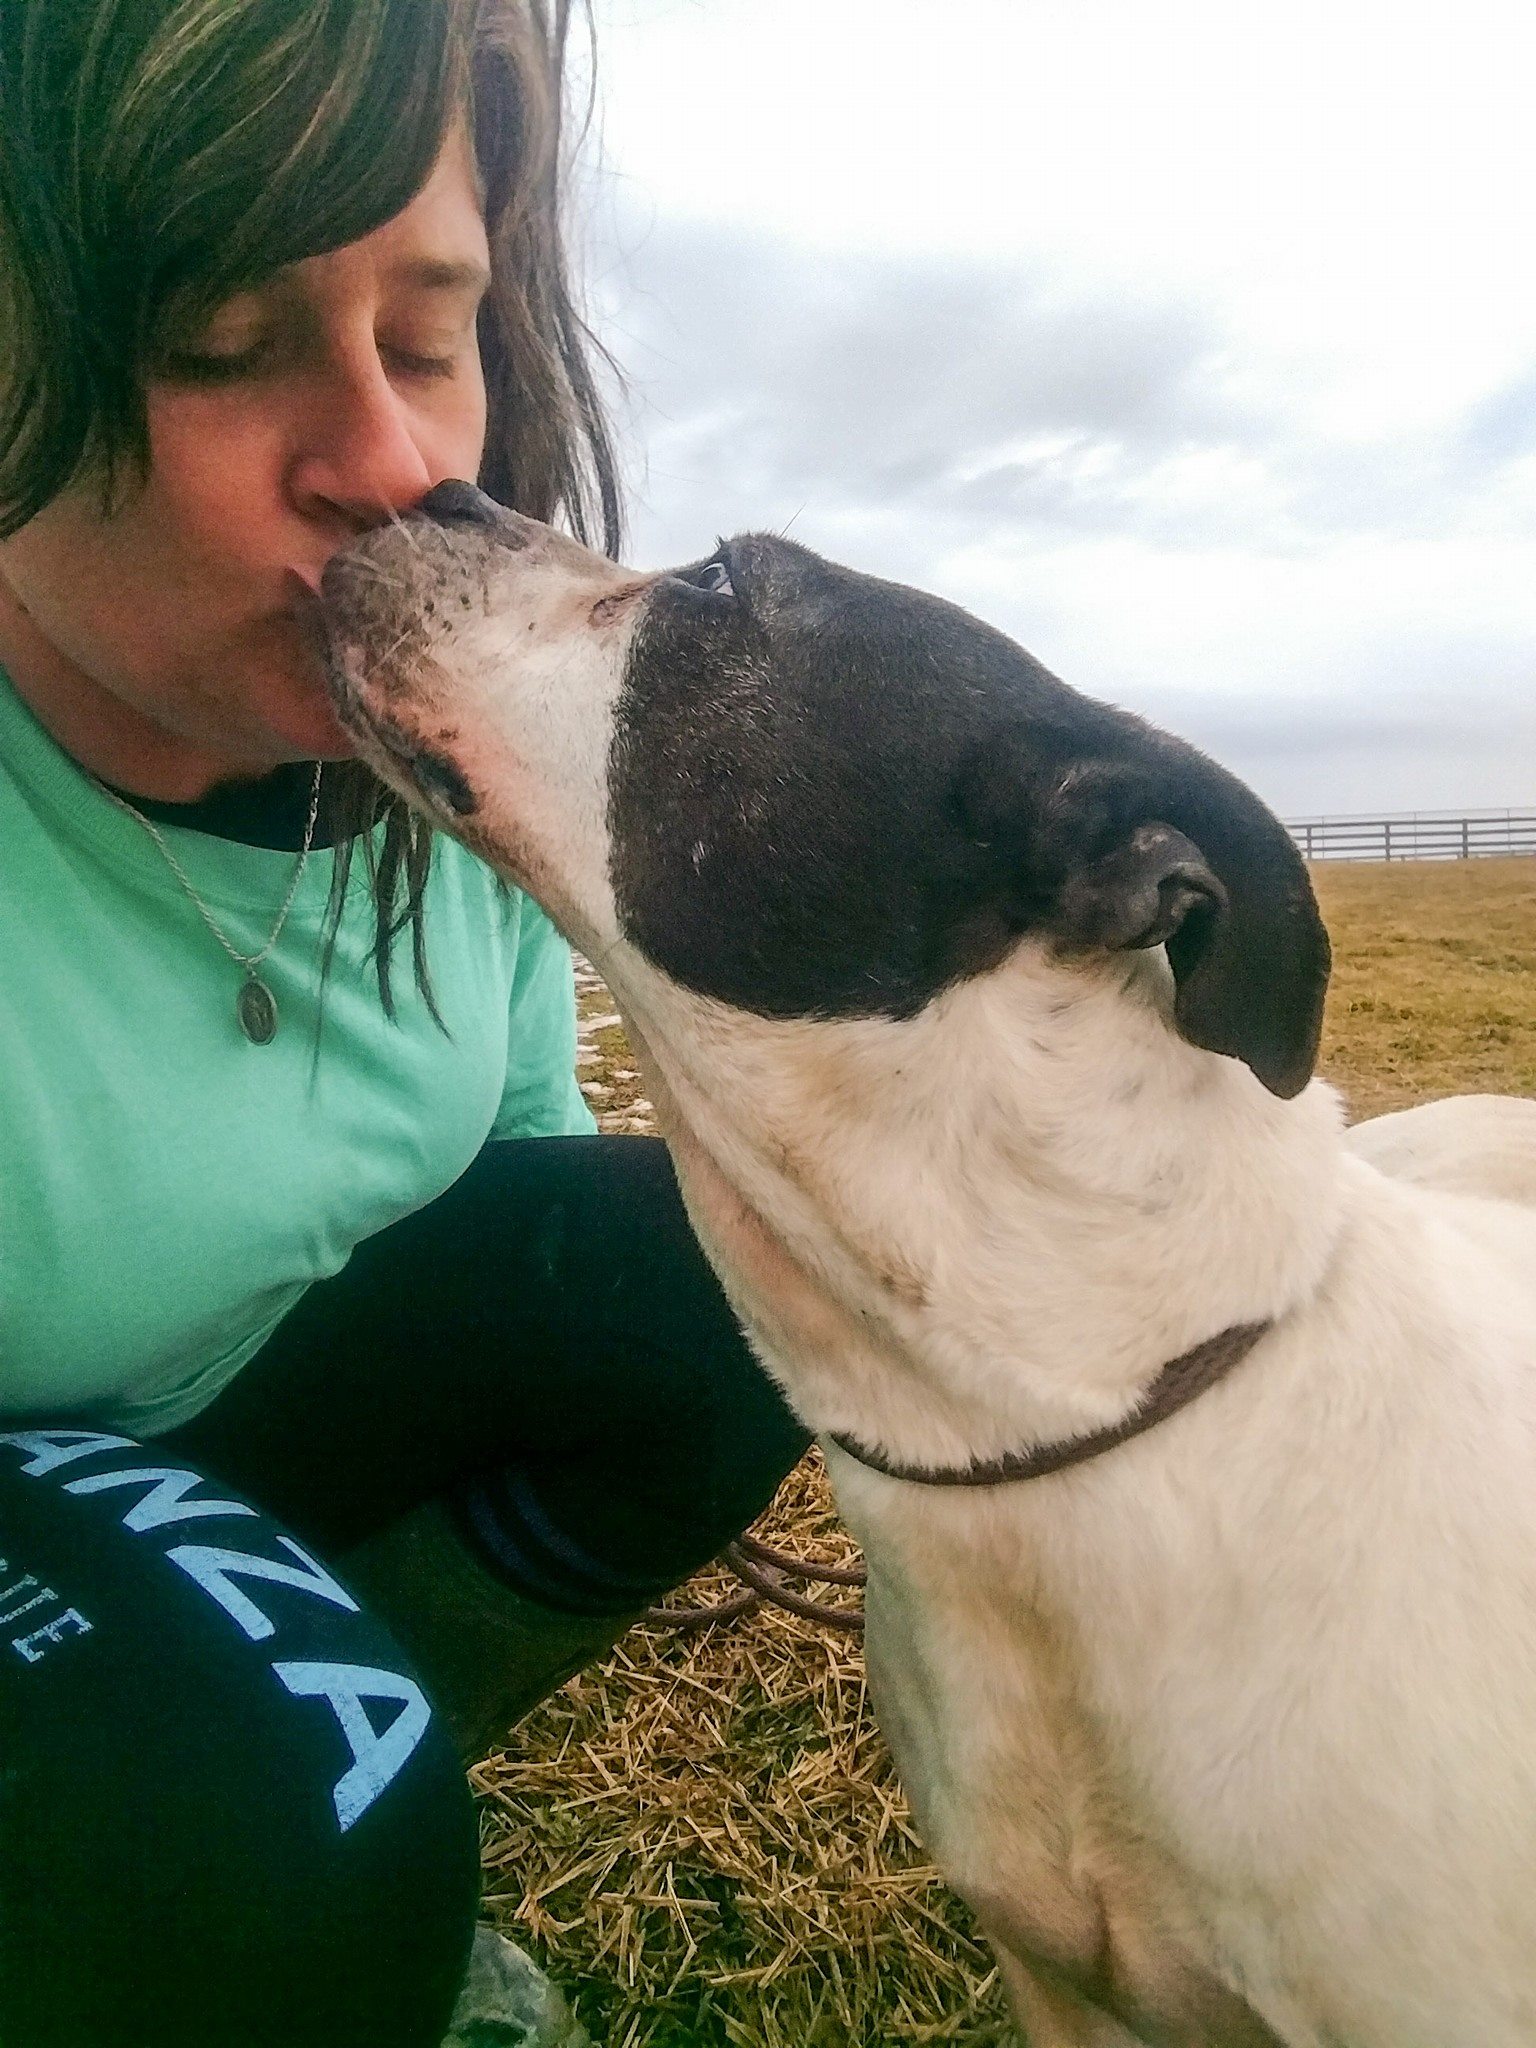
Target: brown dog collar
[(1179, 1382)]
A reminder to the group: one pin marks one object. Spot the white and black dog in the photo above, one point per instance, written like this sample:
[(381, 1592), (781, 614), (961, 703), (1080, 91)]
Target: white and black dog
[(980, 1018)]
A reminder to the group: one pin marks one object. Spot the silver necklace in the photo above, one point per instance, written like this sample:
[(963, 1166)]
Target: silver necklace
[(255, 1006)]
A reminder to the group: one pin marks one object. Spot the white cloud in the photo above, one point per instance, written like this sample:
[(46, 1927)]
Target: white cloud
[(1194, 345)]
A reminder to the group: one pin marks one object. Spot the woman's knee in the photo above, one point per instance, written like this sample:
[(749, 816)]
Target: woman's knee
[(227, 1810)]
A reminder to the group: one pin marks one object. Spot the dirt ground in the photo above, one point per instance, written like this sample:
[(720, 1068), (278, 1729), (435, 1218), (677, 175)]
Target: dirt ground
[(702, 1838)]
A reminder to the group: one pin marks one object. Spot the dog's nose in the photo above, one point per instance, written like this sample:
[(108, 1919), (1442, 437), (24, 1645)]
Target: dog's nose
[(456, 503)]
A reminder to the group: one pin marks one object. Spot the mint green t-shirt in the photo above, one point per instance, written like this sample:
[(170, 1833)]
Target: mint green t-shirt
[(168, 1190)]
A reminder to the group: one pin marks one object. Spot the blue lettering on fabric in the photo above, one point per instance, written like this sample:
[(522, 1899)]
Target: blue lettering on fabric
[(213, 1568), (168, 1502), (20, 1597), (51, 1448), (377, 1760)]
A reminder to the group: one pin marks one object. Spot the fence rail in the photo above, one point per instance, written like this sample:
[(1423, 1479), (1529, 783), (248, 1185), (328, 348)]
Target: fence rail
[(1416, 835)]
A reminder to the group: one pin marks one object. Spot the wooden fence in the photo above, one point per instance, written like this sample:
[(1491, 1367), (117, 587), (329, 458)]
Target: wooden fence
[(1416, 835)]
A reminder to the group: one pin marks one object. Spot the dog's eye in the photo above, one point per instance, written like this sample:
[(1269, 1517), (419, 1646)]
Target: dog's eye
[(714, 577)]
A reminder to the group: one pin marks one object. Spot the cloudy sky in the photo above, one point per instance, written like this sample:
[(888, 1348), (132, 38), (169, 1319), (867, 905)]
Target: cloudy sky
[(1193, 344)]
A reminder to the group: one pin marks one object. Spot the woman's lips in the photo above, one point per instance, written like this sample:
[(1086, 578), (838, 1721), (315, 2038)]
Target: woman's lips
[(305, 610)]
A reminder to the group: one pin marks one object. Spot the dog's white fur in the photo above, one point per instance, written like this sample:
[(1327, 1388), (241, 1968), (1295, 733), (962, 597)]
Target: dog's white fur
[(1466, 1144), (1228, 1736), (1187, 1726)]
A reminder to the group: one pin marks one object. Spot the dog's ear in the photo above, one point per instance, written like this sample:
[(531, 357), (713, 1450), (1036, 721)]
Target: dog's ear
[(1146, 842), (1138, 894)]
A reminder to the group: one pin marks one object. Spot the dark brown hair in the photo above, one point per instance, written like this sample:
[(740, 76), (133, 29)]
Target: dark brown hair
[(157, 156)]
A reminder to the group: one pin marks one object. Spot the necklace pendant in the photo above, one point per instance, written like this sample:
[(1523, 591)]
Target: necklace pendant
[(256, 1009)]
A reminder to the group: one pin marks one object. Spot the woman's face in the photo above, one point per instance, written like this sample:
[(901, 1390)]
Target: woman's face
[(160, 644)]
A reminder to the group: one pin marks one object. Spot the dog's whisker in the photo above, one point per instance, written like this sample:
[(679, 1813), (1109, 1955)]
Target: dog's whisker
[(365, 565), (383, 660), (396, 518)]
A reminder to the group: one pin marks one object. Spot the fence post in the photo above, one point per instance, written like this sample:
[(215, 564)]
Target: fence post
[(1386, 828), (1464, 839)]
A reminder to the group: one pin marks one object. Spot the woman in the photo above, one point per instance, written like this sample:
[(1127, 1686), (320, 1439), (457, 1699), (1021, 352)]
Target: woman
[(321, 1307)]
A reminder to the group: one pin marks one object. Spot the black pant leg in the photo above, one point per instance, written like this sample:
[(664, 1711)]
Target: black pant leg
[(226, 1811), (548, 1323)]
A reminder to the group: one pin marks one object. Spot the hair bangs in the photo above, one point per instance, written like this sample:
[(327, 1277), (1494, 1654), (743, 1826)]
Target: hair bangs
[(158, 158)]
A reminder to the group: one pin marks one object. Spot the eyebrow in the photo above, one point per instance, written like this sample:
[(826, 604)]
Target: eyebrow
[(436, 274), (462, 275)]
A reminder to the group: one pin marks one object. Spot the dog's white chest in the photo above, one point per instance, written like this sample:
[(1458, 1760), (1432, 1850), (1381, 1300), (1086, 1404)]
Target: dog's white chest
[(979, 1687), (1262, 1741)]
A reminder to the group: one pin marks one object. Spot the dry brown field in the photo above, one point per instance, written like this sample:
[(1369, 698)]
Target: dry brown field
[(1434, 980), (702, 1838)]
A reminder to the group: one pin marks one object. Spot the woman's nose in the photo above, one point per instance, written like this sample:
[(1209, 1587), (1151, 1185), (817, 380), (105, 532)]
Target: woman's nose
[(359, 453)]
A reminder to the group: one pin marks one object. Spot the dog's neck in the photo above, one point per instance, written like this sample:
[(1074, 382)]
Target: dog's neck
[(993, 1223)]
